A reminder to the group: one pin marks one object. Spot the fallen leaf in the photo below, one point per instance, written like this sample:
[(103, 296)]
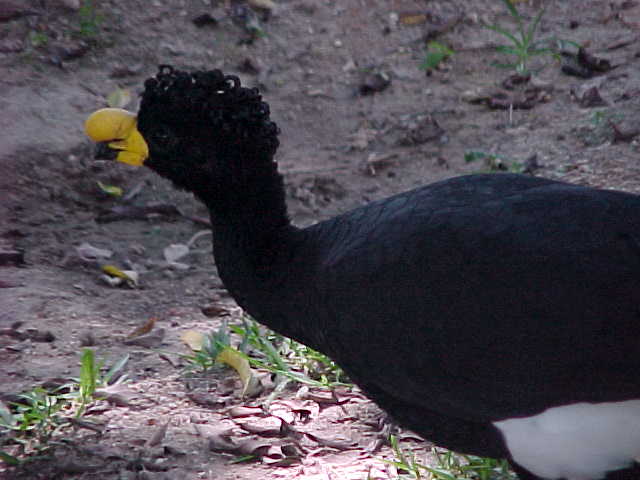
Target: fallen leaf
[(282, 455), (332, 443), (240, 364), (175, 251), (117, 277), (205, 19), (243, 411), (134, 212), (143, 329), (270, 426), (119, 98), (214, 310), (413, 18), (205, 399), (151, 340), (263, 4), (158, 435), (197, 236), (110, 189), (219, 438), (257, 447), (90, 253), (193, 339), (118, 395), (11, 257)]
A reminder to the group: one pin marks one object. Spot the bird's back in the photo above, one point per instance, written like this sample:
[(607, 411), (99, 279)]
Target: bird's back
[(521, 289)]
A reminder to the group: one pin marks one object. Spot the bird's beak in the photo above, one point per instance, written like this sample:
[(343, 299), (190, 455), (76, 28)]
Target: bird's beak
[(116, 132)]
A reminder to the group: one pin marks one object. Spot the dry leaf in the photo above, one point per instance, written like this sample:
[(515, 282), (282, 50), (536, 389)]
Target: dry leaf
[(90, 253), (242, 411), (110, 189), (267, 427), (197, 236), (214, 310), (144, 328), (282, 455), (175, 251), (150, 340), (257, 447), (219, 438), (233, 358), (193, 339), (413, 18), (118, 395), (128, 276), (158, 435), (263, 4)]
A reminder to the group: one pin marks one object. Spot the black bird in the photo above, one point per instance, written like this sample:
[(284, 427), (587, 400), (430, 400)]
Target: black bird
[(496, 315)]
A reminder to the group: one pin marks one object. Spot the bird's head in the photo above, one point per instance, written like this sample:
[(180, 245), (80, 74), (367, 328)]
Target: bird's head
[(201, 130)]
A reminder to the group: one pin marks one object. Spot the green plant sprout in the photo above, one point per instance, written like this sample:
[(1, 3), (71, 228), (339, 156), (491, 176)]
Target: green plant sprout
[(449, 465), (89, 20), (436, 53), (272, 352), (523, 44), (493, 163), (40, 415)]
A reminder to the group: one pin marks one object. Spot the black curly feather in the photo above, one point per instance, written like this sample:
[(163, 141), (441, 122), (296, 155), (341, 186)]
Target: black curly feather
[(210, 135)]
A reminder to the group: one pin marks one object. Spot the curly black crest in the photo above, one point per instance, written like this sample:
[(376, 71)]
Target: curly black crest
[(210, 135), (213, 101)]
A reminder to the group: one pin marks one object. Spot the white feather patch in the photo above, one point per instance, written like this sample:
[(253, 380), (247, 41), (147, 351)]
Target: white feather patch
[(582, 441)]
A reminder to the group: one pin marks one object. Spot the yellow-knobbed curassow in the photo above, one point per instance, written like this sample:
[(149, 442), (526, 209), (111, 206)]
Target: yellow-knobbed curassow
[(496, 315)]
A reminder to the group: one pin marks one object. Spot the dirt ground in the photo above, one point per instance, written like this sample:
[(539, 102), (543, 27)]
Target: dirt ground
[(360, 120)]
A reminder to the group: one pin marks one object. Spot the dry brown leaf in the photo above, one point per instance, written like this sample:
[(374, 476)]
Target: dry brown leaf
[(143, 329), (158, 435), (332, 443), (263, 4), (267, 427), (221, 443), (242, 411), (258, 447), (149, 340), (282, 455), (413, 18)]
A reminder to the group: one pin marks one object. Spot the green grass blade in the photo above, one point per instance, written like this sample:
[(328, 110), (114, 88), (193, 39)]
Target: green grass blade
[(507, 50), (88, 373), (505, 33), (512, 8), (119, 365), (9, 459), (533, 27)]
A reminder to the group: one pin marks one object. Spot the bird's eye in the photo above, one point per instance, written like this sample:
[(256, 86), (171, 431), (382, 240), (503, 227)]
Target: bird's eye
[(162, 136)]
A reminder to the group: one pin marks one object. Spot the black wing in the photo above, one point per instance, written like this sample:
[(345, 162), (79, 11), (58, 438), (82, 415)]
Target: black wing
[(487, 297)]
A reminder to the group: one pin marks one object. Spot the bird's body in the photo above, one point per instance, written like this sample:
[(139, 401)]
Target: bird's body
[(496, 315)]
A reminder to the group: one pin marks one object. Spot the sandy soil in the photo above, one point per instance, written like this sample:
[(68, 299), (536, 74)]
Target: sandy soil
[(347, 138)]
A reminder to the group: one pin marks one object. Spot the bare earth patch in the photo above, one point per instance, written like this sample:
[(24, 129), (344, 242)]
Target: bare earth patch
[(359, 121)]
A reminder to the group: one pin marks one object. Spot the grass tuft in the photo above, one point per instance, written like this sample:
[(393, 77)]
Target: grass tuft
[(41, 416), (448, 465), (267, 350), (522, 43)]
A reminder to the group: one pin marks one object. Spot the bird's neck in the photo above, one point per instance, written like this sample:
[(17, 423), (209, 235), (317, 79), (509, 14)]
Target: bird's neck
[(264, 276), (249, 197), (255, 247)]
